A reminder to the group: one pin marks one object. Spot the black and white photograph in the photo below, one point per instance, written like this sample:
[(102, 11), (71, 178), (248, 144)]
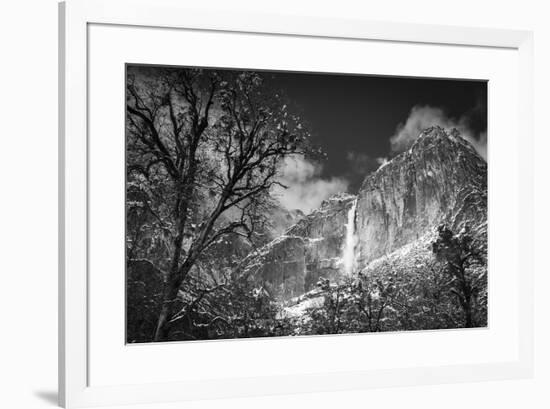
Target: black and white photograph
[(273, 203), (290, 204)]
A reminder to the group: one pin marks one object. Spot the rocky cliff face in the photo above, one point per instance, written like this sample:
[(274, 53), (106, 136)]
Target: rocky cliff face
[(292, 264), (440, 179)]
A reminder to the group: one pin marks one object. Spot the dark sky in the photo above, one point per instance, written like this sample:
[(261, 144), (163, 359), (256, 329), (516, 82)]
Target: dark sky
[(361, 121), (356, 113)]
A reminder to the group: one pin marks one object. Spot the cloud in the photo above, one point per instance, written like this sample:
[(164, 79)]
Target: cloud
[(480, 144), (361, 163), (422, 117), (306, 189), (382, 161)]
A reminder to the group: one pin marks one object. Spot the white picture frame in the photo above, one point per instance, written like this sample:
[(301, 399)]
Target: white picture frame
[(75, 18)]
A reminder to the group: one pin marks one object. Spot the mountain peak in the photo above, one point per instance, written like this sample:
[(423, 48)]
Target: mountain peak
[(420, 188), (434, 144), (451, 139)]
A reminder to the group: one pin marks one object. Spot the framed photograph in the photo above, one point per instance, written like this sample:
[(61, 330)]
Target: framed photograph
[(259, 204)]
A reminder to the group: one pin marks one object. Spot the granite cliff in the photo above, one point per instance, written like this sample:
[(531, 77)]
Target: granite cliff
[(291, 264), (440, 180)]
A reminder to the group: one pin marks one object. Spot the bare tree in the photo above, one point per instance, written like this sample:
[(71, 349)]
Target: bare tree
[(194, 134)]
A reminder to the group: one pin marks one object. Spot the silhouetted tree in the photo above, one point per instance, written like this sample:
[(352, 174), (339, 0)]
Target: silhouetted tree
[(460, 257), (203, 148)]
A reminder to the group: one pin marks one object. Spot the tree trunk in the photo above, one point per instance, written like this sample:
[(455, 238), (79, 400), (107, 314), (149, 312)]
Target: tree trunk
[(171, 286), (169, 298), (465, 289), (467, 293), (176, 274), (468, 315)]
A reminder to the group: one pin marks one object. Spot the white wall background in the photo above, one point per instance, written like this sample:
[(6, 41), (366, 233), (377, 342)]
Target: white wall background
[(28, 203)]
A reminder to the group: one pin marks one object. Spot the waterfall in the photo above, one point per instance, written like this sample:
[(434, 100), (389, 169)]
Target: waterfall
[(348, 256)]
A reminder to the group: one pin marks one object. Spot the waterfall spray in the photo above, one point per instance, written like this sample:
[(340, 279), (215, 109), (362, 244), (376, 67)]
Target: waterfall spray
[(348, 256)]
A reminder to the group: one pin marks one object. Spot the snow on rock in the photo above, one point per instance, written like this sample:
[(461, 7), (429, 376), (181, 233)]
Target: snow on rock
[(440, 180), (292, 264)]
